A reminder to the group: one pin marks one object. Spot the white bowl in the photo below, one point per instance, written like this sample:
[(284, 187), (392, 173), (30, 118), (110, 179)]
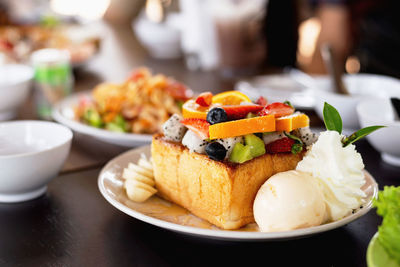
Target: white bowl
[(385, 140), (162, 40), (277, 88), (361, 86), (15, 84), (31, 154)]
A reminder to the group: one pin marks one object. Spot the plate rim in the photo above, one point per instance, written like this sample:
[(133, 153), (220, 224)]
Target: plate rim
[(227, 234), (89, 130)]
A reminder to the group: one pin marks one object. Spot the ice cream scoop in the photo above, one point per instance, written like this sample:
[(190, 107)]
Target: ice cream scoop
[(289, 200)]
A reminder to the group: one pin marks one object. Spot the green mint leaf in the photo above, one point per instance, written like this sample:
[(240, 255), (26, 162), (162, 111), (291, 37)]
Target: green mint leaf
[(295, 138), (288, 103), (296, 148), (360, 134), (332, 119), (179, 103)]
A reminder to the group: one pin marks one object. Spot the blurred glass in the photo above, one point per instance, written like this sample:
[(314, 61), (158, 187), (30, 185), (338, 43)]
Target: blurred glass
[(224, 35), (240, 37), (53, 79)]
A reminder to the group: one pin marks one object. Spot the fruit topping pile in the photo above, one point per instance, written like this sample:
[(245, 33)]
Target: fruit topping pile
[(229, 126)]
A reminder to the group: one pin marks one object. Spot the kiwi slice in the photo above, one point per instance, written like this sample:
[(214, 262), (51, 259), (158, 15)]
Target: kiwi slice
[(256, 144), (240, 153)]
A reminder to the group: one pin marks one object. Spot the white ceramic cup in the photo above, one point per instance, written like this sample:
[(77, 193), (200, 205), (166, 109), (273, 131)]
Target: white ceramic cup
[(361, 86), (15, 84), (385, 140)]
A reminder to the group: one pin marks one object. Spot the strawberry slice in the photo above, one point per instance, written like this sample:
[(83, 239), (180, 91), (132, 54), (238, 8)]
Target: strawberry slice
[(204, 99), (280, 146), (277, 109), (236, 112), (198, 126), (84, 102), (178, 91), (138, 74), (6, 45), (262, 101)]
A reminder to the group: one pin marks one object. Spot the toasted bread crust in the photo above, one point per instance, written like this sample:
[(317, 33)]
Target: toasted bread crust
[(219, 192)]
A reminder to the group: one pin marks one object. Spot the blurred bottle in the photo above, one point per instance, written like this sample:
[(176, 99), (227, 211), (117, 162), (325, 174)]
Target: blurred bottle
[(53, 79)]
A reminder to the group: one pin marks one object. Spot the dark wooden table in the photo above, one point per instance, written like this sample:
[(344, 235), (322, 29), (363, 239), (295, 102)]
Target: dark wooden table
[(73, 225)]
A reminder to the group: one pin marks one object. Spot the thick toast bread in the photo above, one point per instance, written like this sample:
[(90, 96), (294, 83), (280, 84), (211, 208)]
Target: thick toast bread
[(219, 192)]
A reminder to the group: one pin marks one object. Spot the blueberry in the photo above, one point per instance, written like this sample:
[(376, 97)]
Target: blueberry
[(216, 151), (216, 115)]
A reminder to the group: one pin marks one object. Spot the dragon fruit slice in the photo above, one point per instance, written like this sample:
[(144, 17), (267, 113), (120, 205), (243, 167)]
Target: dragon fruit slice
[(194, 142), (306, 135), (173, 129), (229, 143), (272, 136)]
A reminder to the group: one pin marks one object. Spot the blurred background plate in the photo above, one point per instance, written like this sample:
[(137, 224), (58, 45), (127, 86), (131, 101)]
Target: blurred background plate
[(63, 113), (278, 88)]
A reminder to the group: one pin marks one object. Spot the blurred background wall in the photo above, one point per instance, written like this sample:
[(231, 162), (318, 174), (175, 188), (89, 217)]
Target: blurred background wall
[(238, 36)]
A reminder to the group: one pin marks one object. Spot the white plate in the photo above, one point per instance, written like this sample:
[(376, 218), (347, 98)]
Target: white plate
[(164, 214), (63, 112)]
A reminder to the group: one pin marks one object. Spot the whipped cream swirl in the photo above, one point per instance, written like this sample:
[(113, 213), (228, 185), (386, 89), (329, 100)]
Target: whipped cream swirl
[(339, 171)]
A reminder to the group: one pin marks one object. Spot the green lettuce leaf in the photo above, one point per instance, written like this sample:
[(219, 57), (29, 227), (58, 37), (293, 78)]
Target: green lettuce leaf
[(388, 206)]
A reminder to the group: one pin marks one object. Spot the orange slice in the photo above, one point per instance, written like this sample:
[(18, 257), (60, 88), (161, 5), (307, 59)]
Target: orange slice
[(242, 127), (230, 98), (190, 109), (292, 122)]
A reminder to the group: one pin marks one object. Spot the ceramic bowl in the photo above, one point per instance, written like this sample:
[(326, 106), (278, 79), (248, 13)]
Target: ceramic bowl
[(361, 86), (277, 88), (31, 154), (15, 84), (161, 40), (385, 140)]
